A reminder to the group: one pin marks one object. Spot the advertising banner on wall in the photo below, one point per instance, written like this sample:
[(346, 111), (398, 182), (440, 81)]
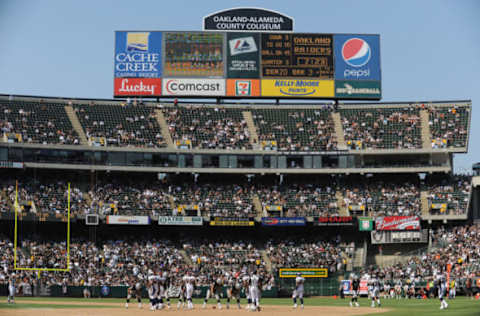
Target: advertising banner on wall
[(335, 221), (128, 220), (284, 221), (180, 220), (231, 221), (357, 89), (399, 237), (243, 87), (357, 57), (193, 87), (365, 224), (138, 86), (297, 88), (397, 223), (138, 54), (243, 55), (305, 272)]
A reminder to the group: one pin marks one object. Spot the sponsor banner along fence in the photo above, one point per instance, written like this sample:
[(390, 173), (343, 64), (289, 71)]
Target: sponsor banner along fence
[(284, 221), (334, 221), (397, 223), (180, 220), (231, 221), (305, 272), (128, 220)]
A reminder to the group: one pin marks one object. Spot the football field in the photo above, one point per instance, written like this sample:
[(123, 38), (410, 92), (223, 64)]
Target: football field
[(460, 306)]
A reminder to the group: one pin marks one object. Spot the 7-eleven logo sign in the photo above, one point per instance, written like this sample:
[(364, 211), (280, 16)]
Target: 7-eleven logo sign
[(243, 87)]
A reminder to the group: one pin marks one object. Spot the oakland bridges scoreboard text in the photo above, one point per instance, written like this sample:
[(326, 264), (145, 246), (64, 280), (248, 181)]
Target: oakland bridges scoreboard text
[(247, 65)]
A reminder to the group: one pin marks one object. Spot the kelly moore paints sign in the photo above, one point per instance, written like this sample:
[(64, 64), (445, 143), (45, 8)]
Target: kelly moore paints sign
[(397, 223), (248, 19)]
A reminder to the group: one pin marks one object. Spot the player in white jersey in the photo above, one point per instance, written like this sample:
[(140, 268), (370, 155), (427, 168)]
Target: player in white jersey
[(298, 292), (189, 281), (374, 286), (254, 289), (152, 292), (442, 291), (11, 289)]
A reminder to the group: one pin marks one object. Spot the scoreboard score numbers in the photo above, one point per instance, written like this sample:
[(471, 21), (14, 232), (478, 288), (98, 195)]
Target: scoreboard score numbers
[(297, 56)]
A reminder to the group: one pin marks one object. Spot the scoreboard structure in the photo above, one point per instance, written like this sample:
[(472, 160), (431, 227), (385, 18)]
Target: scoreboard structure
[(247, 65)]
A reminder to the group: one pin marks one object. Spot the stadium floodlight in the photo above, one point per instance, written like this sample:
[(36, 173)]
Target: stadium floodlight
[(17, 206)]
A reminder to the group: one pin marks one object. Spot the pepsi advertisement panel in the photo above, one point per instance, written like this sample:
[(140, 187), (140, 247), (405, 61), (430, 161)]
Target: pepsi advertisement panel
[(284, 221), (297, 56), (138, 54), (243, 60), (357, 57)]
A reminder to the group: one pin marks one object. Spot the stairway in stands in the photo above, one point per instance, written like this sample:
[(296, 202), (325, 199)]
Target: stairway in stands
[(426, 134), (266, 258), (337, 123), (164, 128), (252, 130), (76, 124)]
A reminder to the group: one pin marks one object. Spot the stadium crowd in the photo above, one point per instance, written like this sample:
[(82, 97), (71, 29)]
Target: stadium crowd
[(362, 195)]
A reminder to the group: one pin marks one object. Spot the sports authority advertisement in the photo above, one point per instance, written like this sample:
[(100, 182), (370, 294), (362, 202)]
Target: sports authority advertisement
[(357, 57), (138, 54), (243, 55), (137, 87), (357, 89), (193, 87), (397, 223), (128, 220), (180, 220), (284, 221), (297, 88), (243, 87), (335, 221), (305, 272)]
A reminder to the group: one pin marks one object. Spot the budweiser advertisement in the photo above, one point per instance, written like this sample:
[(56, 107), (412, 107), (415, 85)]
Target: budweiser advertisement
[(397, 223), (138, 87)]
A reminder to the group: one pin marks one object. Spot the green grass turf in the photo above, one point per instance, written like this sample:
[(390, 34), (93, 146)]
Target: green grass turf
[(460, 306)]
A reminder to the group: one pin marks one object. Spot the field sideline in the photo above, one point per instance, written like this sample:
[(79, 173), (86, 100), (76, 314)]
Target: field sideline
[(461, 306)]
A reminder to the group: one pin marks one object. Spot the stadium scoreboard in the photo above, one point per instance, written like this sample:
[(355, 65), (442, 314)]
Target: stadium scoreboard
[(247, 65), (297, 55)]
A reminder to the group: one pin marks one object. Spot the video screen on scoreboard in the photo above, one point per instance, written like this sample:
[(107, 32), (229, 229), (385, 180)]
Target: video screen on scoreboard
[(297, 56), (193, 54)]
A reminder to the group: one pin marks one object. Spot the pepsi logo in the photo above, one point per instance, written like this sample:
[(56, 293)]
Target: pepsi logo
[(356, 52)]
